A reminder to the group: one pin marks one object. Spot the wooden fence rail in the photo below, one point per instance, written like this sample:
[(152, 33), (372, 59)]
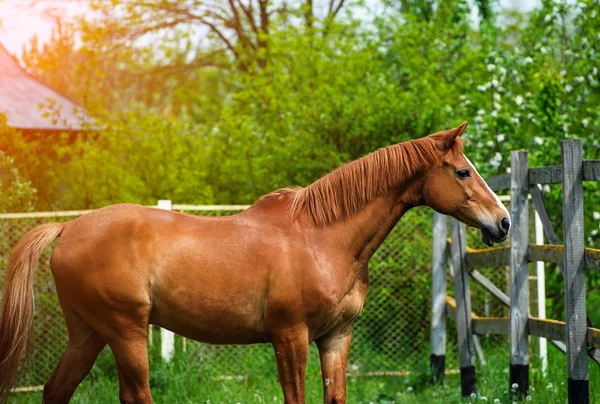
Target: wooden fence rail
[(573, 337)]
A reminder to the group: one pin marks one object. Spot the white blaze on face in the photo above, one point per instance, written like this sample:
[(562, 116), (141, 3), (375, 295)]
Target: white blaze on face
[(498, 201)]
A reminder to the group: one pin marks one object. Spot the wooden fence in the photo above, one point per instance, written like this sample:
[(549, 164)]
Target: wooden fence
[(575, 338)]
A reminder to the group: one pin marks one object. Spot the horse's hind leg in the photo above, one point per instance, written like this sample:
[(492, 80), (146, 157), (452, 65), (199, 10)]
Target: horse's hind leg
[(84, 346)]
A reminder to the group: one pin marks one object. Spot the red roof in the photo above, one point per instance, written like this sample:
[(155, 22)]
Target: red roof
[(24, 100)]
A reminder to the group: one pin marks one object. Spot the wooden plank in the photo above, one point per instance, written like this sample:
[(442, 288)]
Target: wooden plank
[(491, 325), (545, 175), (545, 253), (593, 337), (540, 206), (592, 259), (577, 365), (31, 215), (487, 257), (478, 349), (490, 287), (591, 170), (519, 287), (499, 182), (462, 295), (547, 328), (438, 299), (595, 354), (500, 325)]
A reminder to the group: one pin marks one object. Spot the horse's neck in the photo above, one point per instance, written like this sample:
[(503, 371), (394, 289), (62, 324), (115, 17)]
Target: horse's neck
[(366, 230)]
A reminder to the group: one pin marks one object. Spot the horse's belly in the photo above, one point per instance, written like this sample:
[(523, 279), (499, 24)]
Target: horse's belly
[(210, 331), (216, 309), (211, 325)]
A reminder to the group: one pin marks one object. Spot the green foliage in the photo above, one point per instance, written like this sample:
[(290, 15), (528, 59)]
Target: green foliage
[(15, 190)]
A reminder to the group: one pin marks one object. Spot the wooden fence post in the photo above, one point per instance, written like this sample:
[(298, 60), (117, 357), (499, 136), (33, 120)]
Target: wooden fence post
[(167, 338), (519, 287), (577, 366), (438, 299), (462, 295)]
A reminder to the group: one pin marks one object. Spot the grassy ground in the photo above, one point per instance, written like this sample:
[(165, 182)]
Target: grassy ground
[(184, 382)]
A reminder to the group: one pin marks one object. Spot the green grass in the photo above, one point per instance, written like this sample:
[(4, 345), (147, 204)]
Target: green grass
[(184, 381)]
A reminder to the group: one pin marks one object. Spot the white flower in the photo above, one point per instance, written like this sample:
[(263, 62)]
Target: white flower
[(481, 112), (515, 386), (507, 170), (483, 398), (500, 138), (462, 97), (497, 106), (494, 114), (563, 73), (518, 100), (595, 71), (497, 96), (528, 60), (585, 122), (549, 385), (548, 17), (494, 83), (543, 50), (538, 140), (546, 188), (530, 116), (354, 367), (580, 79), (596, 215), (490, 143), (473, 396), (482, 88), (495, 161), (409, 389), (514, 120), (490, 67), (528, 398), (502, 71), (496, 401), (568, 88)]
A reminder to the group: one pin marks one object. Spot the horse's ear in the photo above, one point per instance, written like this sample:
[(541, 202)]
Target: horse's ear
[(448, 137)]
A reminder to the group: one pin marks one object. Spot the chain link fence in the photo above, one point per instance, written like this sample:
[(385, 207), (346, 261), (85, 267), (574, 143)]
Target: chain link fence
[(391, 334)]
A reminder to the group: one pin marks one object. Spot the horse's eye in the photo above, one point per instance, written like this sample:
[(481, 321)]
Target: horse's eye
[(463, 173)]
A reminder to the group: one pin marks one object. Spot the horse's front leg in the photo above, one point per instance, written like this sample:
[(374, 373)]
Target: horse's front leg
[(333, 352), (291, 349)]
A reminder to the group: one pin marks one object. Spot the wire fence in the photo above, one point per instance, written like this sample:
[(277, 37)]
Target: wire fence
[(390, 335)]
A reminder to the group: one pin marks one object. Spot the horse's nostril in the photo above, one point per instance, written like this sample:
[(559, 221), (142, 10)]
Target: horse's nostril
[(505, 224)]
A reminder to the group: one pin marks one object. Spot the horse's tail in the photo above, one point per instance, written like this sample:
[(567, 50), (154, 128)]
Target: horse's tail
[(16, 316)]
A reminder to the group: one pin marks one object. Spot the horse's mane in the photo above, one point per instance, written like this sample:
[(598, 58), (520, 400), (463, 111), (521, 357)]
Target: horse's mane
[(347, 189)]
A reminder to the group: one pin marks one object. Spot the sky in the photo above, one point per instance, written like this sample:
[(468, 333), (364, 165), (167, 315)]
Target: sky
[(21, 19)]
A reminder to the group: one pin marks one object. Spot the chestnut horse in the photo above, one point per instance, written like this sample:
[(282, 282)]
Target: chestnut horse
[(290, 270)]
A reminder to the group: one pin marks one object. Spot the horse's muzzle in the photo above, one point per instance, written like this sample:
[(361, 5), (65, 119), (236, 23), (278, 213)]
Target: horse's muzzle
[(495, 234)]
